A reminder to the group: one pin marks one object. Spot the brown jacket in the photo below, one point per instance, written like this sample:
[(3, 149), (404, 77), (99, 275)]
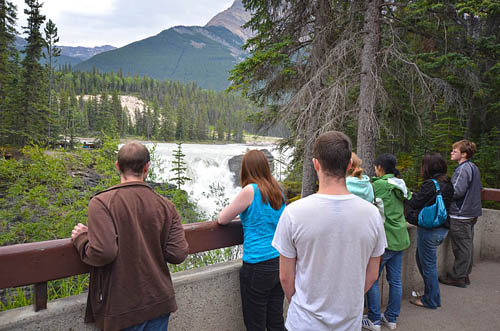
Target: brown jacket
[(132, 233)]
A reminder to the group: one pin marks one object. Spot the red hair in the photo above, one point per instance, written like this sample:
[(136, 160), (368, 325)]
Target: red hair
[(255, 170)]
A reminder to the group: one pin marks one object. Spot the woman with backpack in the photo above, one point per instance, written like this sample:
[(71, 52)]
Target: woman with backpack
[(433, 171), (392, 190)]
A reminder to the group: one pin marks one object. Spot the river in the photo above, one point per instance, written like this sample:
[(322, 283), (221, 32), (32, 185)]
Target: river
[(207, 165)]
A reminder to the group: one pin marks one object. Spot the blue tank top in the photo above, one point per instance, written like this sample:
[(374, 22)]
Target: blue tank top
[(259, 222)]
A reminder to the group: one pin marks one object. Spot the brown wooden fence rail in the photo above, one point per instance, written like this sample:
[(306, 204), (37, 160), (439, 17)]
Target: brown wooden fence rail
[(37, 263)]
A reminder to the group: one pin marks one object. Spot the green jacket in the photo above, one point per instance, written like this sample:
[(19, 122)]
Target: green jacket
[(393, 192)]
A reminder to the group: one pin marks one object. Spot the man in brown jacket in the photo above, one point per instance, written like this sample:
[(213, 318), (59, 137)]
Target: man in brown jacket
[(132, 233)]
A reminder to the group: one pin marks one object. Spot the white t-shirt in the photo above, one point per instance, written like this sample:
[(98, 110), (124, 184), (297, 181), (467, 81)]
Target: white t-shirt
[(332, 237)]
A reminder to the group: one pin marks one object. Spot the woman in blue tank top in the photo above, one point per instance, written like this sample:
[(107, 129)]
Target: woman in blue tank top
[(259, 204)]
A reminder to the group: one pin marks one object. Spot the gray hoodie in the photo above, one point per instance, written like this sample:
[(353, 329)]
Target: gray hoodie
[(466, 182)]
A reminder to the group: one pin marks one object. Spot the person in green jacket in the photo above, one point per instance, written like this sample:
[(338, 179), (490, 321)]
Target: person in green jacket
[(392, 190)]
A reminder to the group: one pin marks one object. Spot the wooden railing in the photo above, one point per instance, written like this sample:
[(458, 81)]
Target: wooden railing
[(37, 263), (490, 194)]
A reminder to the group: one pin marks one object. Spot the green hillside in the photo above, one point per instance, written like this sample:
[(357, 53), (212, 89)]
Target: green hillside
[(64, 59), (203, 55)]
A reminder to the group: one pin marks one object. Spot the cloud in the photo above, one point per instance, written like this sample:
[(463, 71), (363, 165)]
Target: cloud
[(120, 22), (87, 7)]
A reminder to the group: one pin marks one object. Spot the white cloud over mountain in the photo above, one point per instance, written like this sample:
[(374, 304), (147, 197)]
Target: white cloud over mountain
[(119, 22)]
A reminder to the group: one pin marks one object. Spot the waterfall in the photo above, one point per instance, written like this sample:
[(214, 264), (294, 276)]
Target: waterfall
[(206, 165)]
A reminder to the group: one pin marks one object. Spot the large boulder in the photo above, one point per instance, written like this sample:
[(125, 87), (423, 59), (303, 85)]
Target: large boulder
[(235, 165)]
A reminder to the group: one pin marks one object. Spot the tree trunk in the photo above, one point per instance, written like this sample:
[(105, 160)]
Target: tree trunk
[(367, 121), (309, 176), (312, 126)]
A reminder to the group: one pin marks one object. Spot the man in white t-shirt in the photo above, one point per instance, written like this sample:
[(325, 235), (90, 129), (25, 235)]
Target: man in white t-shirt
[(330, 245)]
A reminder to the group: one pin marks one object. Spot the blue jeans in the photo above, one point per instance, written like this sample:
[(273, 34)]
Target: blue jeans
[(427, 243), (156, 324), (392, 261)]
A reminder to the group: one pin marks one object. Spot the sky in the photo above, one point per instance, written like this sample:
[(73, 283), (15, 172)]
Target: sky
[(119, 22)]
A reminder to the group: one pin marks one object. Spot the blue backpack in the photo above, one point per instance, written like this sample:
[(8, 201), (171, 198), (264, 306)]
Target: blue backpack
[(434, 215)]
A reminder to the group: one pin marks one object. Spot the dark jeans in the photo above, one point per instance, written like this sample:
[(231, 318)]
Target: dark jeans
[(428, 241), (262, 296), (156, 324), (462, 236)]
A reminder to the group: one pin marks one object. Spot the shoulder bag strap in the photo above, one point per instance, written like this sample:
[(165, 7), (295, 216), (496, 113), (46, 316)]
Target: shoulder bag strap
[(438, 190)]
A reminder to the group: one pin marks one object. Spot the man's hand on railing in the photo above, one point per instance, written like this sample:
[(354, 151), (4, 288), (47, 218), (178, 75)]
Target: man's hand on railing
[(77, 230)]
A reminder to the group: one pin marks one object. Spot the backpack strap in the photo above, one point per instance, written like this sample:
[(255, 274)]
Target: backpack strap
[(374, 196), (437, 186)]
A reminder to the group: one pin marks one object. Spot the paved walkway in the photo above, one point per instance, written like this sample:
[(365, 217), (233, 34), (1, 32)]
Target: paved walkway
[(475, 308)]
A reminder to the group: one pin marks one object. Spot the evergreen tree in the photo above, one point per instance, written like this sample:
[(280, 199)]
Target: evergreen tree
[(167, 128), (106, 120), (179, 168), (219, 128), (303, 59), (64, 114), (118, 112), (148, 122), (51, 53), (180, 124), (34, 102), (8, 15)]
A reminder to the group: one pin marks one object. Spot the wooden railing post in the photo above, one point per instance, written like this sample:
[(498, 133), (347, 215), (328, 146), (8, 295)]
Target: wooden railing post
[(40, 290)]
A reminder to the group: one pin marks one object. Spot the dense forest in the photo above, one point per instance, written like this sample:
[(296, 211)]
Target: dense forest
[(41, 100), (89, 103), (405, 77)]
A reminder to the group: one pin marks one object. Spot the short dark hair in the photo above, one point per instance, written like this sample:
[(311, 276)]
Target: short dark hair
[(388, 162), (132, 158), (433, 164), (333, 151)]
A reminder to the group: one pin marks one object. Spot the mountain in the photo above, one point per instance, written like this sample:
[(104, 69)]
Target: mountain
[(69, 54), (204, 55), (232, 19), (84, 53)]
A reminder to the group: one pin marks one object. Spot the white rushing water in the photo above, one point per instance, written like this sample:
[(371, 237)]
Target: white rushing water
[(207, 165)]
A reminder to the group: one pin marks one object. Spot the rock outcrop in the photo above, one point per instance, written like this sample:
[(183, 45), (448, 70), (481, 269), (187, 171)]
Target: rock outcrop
[(232, 19), (235, 165)]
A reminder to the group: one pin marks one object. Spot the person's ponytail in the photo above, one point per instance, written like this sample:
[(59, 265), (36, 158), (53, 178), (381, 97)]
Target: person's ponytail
[(388, 163)]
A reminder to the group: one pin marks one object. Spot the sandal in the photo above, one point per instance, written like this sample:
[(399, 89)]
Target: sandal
[(418, 302), (416, 294)]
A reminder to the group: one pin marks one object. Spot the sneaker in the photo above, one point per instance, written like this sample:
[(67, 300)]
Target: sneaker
[(467, 280), (369, 325), (390, 325)]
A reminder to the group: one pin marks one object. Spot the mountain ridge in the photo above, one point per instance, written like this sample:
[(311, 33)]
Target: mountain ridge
[(201, 54), (70, 54)]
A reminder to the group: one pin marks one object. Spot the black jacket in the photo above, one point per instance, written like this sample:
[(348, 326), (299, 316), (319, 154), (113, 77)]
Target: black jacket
[(426, 196)]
